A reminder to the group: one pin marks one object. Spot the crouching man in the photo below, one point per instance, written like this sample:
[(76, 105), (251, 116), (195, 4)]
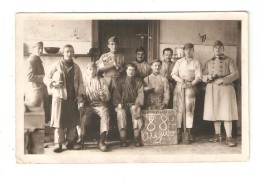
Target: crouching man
[(129, 97), (96, 97)]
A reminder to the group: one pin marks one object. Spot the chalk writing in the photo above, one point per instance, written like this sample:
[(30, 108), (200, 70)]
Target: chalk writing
[(160, 127)]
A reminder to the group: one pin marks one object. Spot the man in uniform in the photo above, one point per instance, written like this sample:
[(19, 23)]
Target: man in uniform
[(156, 88), (220, 98), (129, 97), (166, 70), (143, 68), (111, 63), (187, 73)]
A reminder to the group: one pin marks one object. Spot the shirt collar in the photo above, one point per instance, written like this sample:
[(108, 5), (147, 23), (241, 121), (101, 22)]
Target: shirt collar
[(221, 57)]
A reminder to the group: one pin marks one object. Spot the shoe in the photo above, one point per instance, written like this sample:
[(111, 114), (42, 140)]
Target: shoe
[(230, 142), (57, 148), (216, 138), (71, 146), (123, 142), (101, 144), (138, 142)]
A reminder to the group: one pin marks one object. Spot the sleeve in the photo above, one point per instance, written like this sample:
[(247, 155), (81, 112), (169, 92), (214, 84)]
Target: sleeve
[(166, 94), (234, 74), (106, 91), (205, 72), (139, 101), (198, 70), (48, 78), (31, 72), (176, 68), (116, 95)]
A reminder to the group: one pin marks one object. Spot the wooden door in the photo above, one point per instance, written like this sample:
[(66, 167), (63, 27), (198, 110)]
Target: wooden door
[(131, 33)]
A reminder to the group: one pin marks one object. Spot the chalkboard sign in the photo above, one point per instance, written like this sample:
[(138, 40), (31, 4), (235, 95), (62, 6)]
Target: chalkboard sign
[(160, 127)]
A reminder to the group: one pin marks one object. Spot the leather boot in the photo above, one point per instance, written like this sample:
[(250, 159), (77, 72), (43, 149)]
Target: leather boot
[(57, 148), (73, 146), (137, 140), (230, 142), (101, 144), (216, 138)]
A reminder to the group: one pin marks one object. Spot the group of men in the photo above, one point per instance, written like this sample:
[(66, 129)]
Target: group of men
[(133, 87)]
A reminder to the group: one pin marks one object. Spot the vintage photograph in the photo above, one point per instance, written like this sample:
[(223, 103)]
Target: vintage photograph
[(132, 87)]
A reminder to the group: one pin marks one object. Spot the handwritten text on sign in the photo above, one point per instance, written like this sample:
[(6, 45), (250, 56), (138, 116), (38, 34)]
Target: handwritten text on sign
[(160, 127)]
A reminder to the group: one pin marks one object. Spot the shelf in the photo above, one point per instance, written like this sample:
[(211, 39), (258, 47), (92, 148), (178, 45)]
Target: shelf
[(60, 55)]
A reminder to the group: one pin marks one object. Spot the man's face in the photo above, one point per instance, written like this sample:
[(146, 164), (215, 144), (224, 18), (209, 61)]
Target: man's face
[(68, 53), (91, 71), (218, 50), (167, 55), (140, 56), (156, 67), (38, 50), (189, 52), (113, 46), (130, 71)]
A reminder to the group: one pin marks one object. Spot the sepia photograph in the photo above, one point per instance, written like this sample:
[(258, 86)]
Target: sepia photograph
[(131, 87)]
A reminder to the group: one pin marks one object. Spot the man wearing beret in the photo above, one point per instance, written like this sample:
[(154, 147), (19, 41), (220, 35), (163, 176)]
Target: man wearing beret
[(220, 98), (111, 63), (187, 73), (156, 89), (129, 97)]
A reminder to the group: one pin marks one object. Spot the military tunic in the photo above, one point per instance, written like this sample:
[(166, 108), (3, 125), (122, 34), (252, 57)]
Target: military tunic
[(220, 100)]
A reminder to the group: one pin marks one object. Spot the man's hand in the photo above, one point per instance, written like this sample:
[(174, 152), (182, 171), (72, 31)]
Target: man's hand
[(57, 84), (163, 106)]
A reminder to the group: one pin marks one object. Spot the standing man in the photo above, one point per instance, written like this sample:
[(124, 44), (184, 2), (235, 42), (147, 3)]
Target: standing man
[(36, 94), (156, 88), (65, 79), (166, 70), (187, 73), (111, 63), (143, 68), (129, 97), (96, 97), (220, 98)]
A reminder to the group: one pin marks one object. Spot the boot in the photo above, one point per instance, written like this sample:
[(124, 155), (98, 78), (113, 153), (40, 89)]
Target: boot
[(101, 144), (57, 148), (216, 138), (72, 146), (122, 138), (230, 142), (137, 139)]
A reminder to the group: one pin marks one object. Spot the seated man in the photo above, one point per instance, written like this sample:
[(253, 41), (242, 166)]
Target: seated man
[(129, 97), (96, 96), (156, 89)]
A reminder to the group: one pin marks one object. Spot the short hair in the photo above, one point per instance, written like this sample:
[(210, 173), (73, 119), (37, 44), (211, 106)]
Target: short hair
[(67, 46), (156, 60), (131, 65), (168, 49), (218, 43), (140, 49), (113, 39), (188, 46), (38, 44)]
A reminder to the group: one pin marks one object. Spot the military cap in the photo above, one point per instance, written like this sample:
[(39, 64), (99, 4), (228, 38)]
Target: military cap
[(218, 43), (113, 39)]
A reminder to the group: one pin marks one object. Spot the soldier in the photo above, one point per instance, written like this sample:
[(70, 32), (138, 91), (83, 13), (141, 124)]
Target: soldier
[(143, 68), (36, 94), (156, 88), (111, 63), (187, 73), (166, 70), (65, 79), (96, 97), (220, 98), (129, 97)]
